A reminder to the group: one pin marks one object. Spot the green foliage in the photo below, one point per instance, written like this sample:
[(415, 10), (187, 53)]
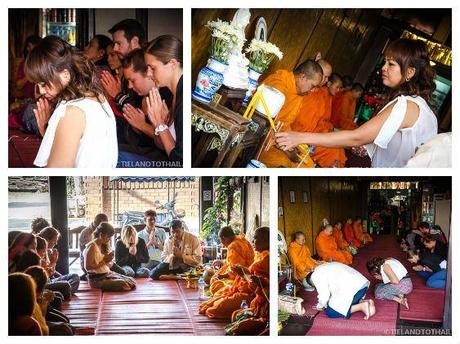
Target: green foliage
[(227, 197)]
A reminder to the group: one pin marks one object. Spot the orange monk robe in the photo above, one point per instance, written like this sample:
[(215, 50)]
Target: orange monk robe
[(359, 233), (337, 101), (229, 299), (260, 308), (239, 252), (349, 236), (327, 249), (339, 239), (314, 117), (346, 111), (301, 260), (283, 81)]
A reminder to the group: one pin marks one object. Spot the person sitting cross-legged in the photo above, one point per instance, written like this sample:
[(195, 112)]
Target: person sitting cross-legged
[(182, 252)]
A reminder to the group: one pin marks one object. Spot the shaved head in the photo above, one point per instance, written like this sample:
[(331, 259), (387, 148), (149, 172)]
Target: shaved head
[(334, 84), (327, 70), (308, 75)]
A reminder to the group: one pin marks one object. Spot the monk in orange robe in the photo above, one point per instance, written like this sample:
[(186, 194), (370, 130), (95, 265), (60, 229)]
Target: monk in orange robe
[(359, 233), (314, 117), (344, 108), (300, 257), (349, 235), (246, 286), (239, 252), (327, 248), (338, 236), (294, 85)]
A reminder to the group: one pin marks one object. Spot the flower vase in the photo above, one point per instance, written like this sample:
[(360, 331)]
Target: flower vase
[(209, 80), (253, 83)]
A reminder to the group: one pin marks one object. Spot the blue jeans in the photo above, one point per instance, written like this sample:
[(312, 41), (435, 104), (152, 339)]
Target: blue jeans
[(332, 313), (140, 271), (435, 280), (163, 269)]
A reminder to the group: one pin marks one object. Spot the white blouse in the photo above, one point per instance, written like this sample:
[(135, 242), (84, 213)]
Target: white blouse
[(399, 270), (98, 145), (98, 257), (393, 146), (337, 284)]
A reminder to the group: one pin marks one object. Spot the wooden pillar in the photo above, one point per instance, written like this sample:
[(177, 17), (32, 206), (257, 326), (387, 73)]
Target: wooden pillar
[(58, 205), (86, 26)]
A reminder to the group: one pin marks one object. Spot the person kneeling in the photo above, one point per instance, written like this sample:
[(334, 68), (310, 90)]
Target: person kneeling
[(131, 252), (181, 252), (341, 290), (396, 281), (98, 259)]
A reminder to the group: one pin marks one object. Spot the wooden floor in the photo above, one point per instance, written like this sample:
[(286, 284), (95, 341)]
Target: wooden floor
[(154, 307)]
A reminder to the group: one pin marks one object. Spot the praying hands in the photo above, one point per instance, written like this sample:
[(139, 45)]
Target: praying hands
[(111, 84), (42, 114)]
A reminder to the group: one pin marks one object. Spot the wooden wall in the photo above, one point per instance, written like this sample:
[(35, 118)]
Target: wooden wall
[(332, 198), (257, 204), (343, 36)]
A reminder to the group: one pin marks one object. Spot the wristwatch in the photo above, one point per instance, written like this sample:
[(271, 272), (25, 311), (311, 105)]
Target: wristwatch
[(160, 128)]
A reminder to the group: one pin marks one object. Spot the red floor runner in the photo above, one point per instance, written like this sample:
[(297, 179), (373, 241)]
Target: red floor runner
[(83, 308), (154, 307), (425, 305)]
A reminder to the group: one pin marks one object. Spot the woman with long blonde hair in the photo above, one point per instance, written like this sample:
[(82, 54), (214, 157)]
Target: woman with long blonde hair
[(130, 252)]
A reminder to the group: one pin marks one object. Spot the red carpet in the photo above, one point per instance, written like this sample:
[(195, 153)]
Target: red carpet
[(154, 307), (22, 148), (425, 304)]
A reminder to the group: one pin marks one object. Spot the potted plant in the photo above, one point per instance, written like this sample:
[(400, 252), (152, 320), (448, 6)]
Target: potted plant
[(261, 54), (224, 37)]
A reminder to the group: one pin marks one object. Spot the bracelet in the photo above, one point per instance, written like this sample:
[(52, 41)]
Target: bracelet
[(160, 128)]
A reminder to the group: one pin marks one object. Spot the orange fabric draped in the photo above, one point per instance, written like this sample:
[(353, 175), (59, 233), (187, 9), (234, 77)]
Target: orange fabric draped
[(301, 260), (337, 101), (359, 233), (343, 111), (314, 117), (229, 299), (283, 81), (239, 252), (327, 249), (349, 236), (339, 239)]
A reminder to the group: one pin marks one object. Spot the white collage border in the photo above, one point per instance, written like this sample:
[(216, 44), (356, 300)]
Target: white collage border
[(187, 5)]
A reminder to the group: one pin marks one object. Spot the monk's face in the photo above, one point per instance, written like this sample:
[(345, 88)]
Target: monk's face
[(339, 225), (225, 241), (357, 94), (261, 241), (335, 87), (328, 230), (349, 221), (300, 239), (305, 85)]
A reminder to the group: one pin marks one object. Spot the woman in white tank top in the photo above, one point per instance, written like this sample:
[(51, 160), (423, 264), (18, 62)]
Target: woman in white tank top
[(396, 283), (404, 124), (81, 132)]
